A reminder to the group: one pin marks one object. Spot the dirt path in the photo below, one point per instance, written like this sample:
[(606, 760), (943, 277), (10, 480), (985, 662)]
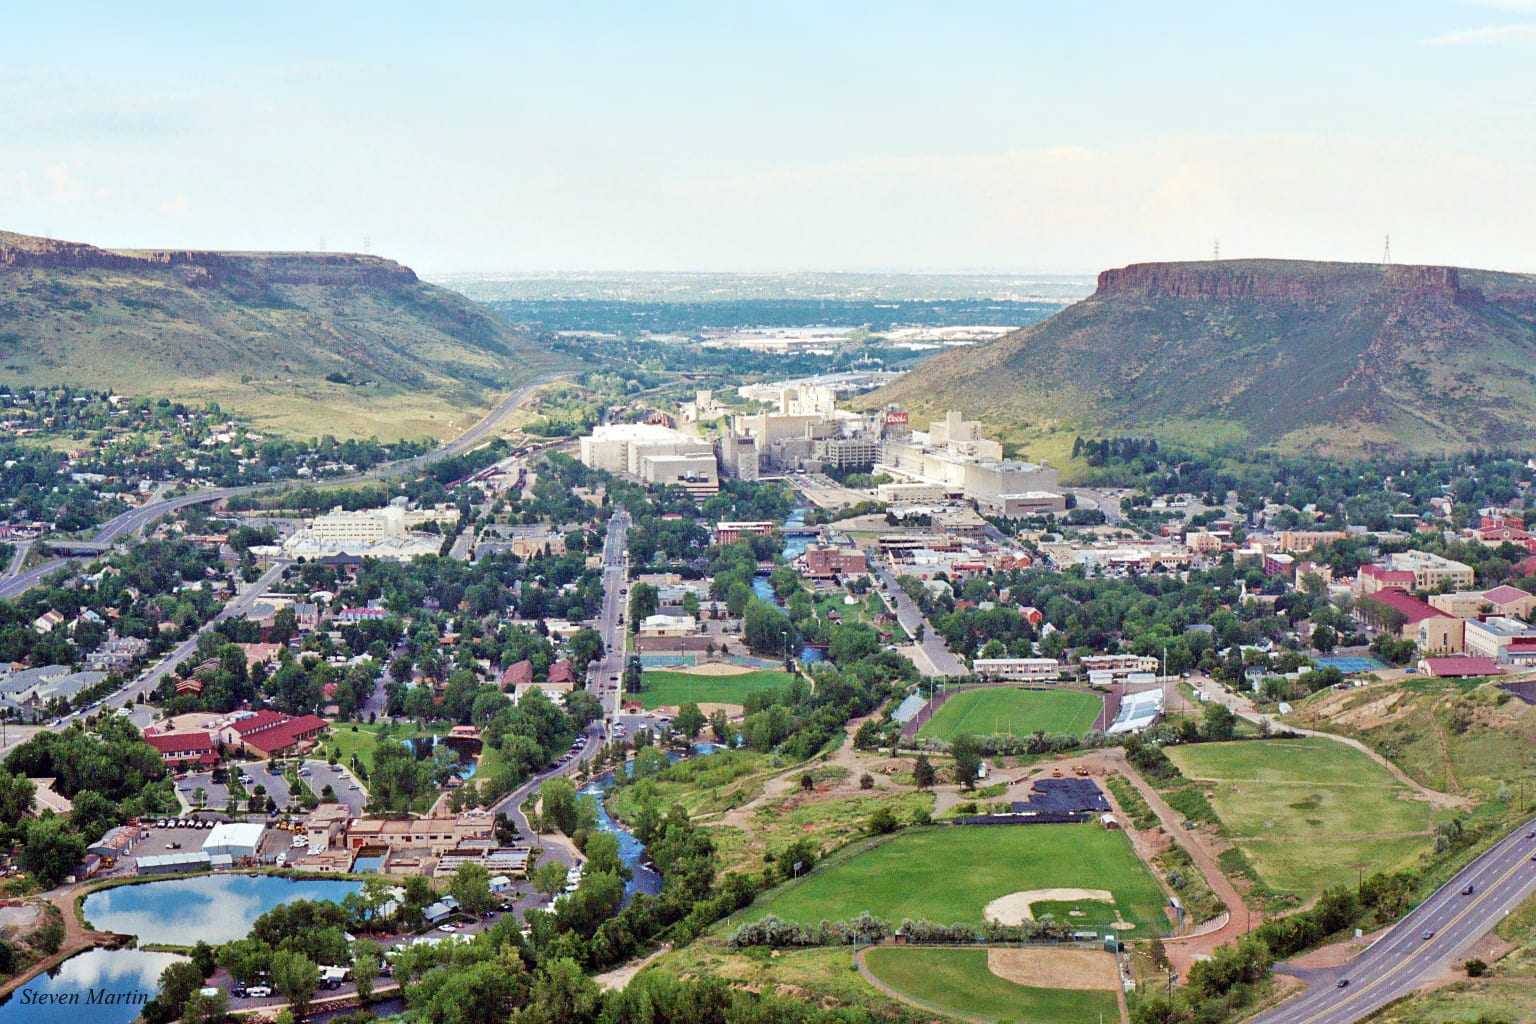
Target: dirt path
[(616, 979), (1444, 742), (1183, 950), (76, 938)]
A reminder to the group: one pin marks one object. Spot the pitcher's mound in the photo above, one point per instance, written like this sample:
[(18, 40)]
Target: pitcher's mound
[(1015, 907), (1055, 968)]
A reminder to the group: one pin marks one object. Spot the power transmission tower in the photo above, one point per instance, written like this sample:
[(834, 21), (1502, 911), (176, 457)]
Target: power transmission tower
[(1216, 250), (1386, 251), (366, 244)]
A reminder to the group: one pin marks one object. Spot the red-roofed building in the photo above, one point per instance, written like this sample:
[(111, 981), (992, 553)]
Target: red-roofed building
[(1459, 668), (267, 732), (518, 674), (1433, 630), (1496, 530), (199, 748), (1377, 577), (562, 673)]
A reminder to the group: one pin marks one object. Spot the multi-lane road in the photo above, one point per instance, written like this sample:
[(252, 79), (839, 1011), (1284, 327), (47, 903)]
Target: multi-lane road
[(135, 519), (1436, 934)]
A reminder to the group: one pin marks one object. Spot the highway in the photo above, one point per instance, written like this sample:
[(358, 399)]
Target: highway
[(1402, 960), (137, 518)]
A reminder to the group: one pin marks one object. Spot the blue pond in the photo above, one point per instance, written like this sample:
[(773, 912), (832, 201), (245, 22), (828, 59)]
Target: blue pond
[(210, 908), (110, 984)]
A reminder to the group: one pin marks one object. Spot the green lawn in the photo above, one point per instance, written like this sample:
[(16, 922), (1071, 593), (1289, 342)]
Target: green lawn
[(1309, 813), (346, 742), (950, 873), (958, 981), (1007, 710), (670, 689)]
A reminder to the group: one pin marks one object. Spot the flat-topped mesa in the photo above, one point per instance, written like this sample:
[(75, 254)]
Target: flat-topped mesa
[(296, 268), (1282, 280)]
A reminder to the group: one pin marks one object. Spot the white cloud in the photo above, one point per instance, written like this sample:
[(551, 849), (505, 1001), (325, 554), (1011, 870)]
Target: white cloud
[(1491, 35), (176, 206)]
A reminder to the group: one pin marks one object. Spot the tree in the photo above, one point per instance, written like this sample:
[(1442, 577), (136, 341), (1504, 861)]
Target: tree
[(644, 601), (720, 725), (16, 793), (1218, 723), (471, 886), (967, 754), (549, 878), (563, 994), (201, 1009), (1324, 639), (922, 772), (296, 977), (689, 720), (765, 629), (367, 961), (50, 850), (586, 646), (581, 705), (557, 805), (883, 822), (807, 783)]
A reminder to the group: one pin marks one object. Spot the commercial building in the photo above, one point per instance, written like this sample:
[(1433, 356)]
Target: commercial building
[(1298, 541), (1506, 601), (1023, 505), (1505, 640), (823, 562), (1117, 666), (238, 840), (1431, 572), (1025, 670), (727, 532), (174, 748), (436, 835), (267, 732)]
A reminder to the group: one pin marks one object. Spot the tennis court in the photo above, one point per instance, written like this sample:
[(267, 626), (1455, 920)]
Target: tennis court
[(1349, 664)]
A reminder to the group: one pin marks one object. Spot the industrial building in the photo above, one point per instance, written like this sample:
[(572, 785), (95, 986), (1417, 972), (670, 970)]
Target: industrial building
[(653, 454)]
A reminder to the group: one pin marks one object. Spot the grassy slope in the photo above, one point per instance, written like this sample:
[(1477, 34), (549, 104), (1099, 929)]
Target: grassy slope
[(671, 689), (1307, 813), (950, 874), (1351, 366), (958, 981), (1014, 712), (260, 339)]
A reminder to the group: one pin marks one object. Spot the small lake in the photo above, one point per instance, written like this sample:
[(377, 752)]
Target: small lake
[(210, 908), (107, 975)]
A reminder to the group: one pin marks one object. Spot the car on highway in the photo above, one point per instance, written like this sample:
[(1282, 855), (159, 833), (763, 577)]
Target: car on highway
[(1427, 934), (1343, 983), (1467, 891)]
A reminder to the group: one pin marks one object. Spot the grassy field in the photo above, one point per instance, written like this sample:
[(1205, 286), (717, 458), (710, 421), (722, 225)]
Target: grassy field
[(958, 981), (1013, 711), (670, 689), (1451, 736), (1309, 813), (950, 874), (825, 973), (777, 823)]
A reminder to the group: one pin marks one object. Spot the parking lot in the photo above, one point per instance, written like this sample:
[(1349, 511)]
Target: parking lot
[(154, 840), (316, 774)]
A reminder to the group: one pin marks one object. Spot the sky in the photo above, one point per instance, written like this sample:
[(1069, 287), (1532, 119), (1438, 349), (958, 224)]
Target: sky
[(1015, 136)]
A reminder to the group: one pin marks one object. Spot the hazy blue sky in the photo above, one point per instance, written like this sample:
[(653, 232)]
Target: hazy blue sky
[(945, 136)]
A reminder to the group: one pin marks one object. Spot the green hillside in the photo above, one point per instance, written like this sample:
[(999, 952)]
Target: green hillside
[(1333, 356), (304, 343)]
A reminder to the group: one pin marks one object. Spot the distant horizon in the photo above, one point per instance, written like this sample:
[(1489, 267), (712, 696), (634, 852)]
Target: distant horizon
[(499, 138)]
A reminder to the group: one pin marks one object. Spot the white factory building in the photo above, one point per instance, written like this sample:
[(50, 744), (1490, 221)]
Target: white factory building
[(653, 454), (954, 457)]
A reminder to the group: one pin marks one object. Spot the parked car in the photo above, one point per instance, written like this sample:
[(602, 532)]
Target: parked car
[(259, 991)]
